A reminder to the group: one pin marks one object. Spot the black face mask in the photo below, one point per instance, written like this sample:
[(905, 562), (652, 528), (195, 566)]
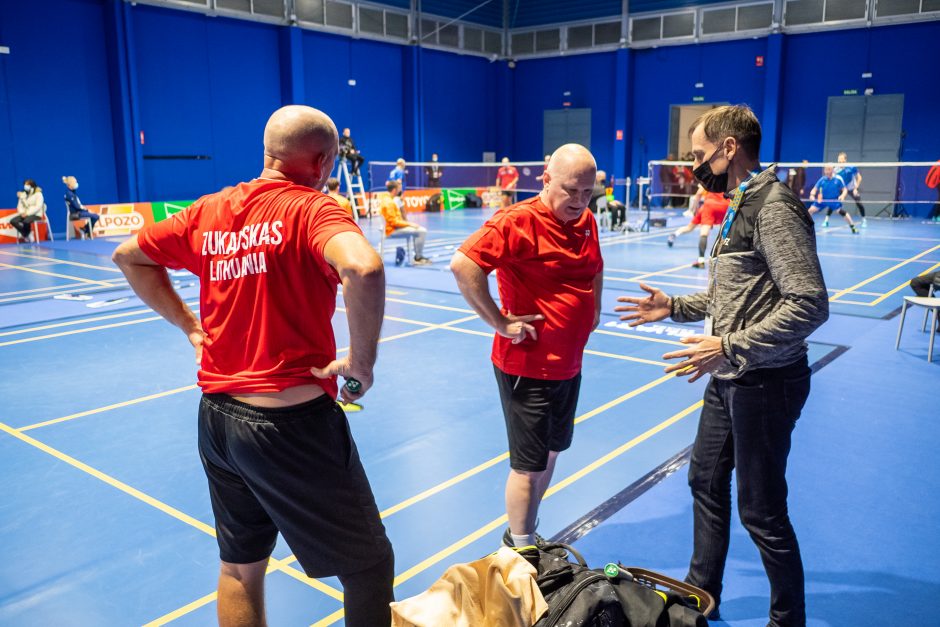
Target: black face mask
[(709, 180)]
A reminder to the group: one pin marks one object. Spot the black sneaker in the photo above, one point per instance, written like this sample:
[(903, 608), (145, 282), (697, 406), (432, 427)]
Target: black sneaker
[(671, 240), (399, 255), (507, 539)]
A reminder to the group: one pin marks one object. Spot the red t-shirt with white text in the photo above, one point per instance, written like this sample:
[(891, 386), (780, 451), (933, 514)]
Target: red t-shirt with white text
[(544, 266), (267, 293)]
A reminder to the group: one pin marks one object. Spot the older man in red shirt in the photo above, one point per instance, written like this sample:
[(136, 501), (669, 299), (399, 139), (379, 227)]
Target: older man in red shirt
[(275, 446), (550, 278)]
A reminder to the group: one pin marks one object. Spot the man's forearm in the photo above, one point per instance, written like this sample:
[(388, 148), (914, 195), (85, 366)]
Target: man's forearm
[(475, 288), (152, 284), (364, 295)]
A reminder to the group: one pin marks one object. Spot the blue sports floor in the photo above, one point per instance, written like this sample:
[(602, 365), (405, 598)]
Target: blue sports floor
[(105, 516)]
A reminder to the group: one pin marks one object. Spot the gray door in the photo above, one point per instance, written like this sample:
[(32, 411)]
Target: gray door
[(566, 126), (868, 128)]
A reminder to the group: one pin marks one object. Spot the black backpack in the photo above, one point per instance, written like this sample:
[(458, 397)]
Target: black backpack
[(433, 203), (472, 201), (612, 596)]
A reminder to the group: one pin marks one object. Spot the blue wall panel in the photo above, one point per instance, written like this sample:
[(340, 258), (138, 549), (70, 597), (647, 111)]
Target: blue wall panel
[(57, 109), (541, 84), (458, 96), (206, 87), (372, 109), (667, 76)]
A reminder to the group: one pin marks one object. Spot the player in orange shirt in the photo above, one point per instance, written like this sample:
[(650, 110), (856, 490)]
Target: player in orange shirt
[(710, 213), (397, 226)]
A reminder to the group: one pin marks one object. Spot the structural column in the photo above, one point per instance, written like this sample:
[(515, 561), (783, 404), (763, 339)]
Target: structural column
[(125, 115), (291, 52), (773, 92), (623, 121)]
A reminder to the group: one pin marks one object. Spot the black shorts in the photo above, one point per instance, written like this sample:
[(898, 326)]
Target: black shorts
[(295, 470), (539, 417)]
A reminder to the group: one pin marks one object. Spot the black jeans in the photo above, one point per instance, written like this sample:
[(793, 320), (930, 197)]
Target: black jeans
[(746, 425), (921, 283)]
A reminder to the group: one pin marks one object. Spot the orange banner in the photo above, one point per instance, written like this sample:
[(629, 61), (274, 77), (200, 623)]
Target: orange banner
[(8, 234), (121, 218)]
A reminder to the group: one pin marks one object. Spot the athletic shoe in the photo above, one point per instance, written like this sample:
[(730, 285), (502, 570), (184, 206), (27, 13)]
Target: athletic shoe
[(826, 223), (864, 223), (399, 255), (854, 230), (698, 264), (422, 261), (671, 240), (507, 539)]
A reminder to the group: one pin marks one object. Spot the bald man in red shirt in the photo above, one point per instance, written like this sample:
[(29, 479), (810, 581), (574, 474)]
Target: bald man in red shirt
[(275, 446), (550, 279)]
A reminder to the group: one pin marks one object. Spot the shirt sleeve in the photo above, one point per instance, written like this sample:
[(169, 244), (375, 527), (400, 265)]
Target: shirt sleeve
[(491, 246), (169, 243), (325, 220)]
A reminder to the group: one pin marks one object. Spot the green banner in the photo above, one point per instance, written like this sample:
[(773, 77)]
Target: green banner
[(163, 210), (456, 198)]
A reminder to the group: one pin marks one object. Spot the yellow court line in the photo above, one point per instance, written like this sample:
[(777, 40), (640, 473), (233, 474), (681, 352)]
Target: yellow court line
[(842, 301), (653, 282), (561, 485), (186, 609), (63, 261), (70, 323), (637, 336), (899, 287), (99, 410), (55, 274), (332, 618), (76, 331), (884, 272), (111, 481)]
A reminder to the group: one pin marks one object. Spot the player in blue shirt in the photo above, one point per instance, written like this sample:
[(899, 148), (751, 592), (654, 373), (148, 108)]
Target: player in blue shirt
[(853, 180), (828, 193), (398, 173)]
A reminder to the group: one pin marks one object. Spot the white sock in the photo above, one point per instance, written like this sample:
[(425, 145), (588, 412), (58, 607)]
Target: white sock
[(522, 540)]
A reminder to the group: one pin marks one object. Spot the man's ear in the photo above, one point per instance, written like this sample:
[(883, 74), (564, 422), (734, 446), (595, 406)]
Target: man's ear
[(731, 147)]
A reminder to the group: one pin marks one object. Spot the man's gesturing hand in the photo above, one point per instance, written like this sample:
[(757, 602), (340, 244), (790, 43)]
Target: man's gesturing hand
[(517, 328), (651, 308), (705, 356)]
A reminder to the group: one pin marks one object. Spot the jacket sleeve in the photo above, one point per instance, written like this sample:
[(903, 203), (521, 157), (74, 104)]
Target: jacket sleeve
[(787, 242), (691, 307)]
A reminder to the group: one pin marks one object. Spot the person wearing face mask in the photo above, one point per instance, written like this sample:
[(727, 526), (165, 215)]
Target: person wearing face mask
[(765, 295), (76, 209), (550, 279), (434, 172), (30, 207)]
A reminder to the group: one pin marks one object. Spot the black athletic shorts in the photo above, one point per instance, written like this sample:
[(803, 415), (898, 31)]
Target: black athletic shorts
[(539, 417), (295, 470)]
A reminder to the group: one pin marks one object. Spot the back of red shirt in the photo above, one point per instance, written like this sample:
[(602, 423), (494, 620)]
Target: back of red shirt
[(547, 267), (267, 294)]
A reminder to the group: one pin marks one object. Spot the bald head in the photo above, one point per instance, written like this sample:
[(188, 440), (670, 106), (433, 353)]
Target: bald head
[(569, 181), (300, 142)]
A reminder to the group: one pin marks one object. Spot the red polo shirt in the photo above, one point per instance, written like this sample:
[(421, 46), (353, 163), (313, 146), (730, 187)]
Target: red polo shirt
[(267, 293), (547, 267)]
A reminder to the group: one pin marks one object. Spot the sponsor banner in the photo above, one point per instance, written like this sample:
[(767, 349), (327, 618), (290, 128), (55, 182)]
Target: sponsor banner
[(163, 210), (121, 219), (8, 234)]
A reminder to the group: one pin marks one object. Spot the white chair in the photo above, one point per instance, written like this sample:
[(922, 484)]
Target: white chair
[(603, 214), (930, 304), (408, 237), (45, 220)]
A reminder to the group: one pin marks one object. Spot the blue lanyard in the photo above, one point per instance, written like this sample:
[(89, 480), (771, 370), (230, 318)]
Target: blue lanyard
[(735, 203)]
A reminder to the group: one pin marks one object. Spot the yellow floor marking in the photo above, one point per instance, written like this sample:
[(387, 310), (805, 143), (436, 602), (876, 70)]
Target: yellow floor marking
[(898, 288), (884, 272), (55, 274)]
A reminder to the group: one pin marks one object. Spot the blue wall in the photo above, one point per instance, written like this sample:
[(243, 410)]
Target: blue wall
[(86, 76), (56, 114)]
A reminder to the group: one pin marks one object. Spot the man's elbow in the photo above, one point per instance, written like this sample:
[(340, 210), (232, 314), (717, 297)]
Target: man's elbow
[(122, 255), (368, 270)]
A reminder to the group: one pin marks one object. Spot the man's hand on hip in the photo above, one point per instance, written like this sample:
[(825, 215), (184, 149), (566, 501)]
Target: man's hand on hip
[(652, 308), (703, 357), (517, 328), (346, 369)]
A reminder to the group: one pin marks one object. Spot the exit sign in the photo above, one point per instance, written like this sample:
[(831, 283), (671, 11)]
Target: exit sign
[(698, 98), (759, 60), (849, 92)]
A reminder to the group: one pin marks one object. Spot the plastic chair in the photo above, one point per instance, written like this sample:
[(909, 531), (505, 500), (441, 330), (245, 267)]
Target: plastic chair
[(408, 237), (930, 304), (45, 220), (76, 226)]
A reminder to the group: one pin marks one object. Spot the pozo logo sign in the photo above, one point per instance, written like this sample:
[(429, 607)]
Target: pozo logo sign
[(132, 220)]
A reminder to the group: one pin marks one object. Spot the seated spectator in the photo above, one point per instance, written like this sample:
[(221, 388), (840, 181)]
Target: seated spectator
[(76, 209), (397, 226), (617, 210), (332, 190), (921, 284), (30, 207)]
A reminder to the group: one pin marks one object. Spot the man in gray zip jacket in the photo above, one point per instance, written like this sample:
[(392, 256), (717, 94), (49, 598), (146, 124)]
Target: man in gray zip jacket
[(765, 296)]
